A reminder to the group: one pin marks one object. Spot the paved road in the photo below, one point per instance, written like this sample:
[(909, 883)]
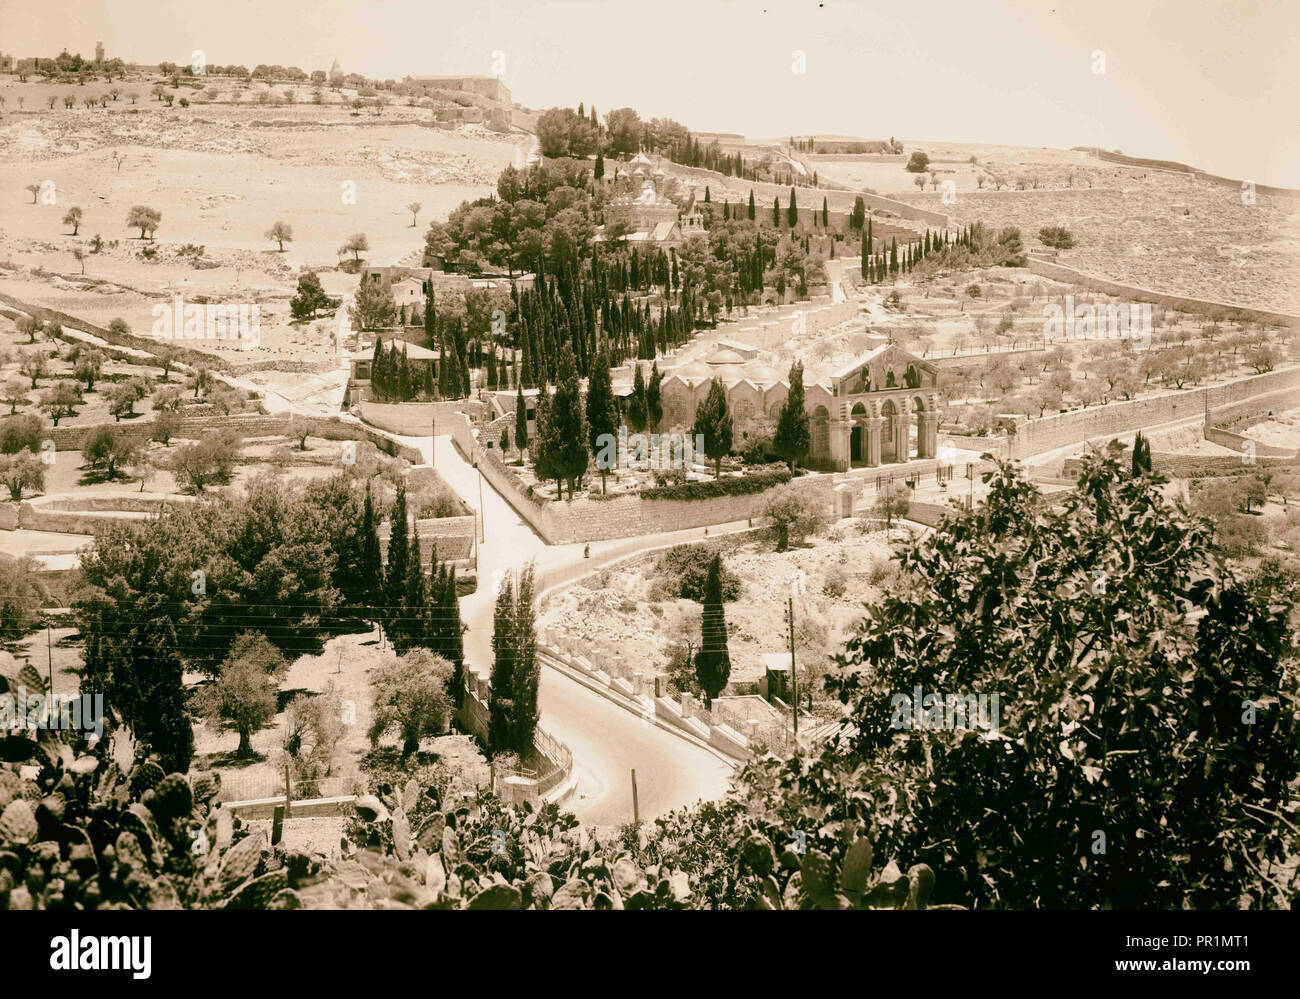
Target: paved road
[(607, 741)]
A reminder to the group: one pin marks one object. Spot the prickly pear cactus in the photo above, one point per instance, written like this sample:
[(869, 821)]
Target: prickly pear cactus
[(815, 880), (101, 830)]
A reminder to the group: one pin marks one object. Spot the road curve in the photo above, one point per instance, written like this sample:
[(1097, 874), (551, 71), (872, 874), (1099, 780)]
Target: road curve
[(607, 741)]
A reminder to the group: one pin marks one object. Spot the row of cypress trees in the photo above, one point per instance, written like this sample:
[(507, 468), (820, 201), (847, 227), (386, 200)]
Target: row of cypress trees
[(417, 611), (512, 708), (878, 267)]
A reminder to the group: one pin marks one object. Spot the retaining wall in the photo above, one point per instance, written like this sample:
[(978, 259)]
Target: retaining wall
[(586, 519), (74, 438), (836, 200), (413, 419), (1133, 293), (1046, 434), (187, 355), (1243, 444)]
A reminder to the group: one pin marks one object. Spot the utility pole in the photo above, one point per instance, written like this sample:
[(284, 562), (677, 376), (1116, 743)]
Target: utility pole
[(481, 526), (794, 678), (636, 810), (49, 658), (433, 440)]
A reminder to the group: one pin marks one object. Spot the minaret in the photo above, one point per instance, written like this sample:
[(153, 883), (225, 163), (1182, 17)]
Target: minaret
[(99, 53)]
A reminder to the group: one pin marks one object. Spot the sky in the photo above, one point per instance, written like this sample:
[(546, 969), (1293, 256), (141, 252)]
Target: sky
[(1214, 84)]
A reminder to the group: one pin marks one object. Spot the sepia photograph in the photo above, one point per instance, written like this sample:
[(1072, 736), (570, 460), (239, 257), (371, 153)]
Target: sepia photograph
[(598, 454)]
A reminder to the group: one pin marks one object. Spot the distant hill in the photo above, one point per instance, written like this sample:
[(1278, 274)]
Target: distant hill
[(1138, 161)]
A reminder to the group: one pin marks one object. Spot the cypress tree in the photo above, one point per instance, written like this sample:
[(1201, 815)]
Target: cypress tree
[(403, 374), (521, 420), (826, 217), (569, 423), (637, 410), (1141, 456), (776, 212), (792, 438), (372, 564), (526, 674), (713, 663), (751, 204), (395, 571), (602, 415), (654, 403), (525, 374), (547, 463), (713, 423), (792, 212), (140, 674), (866, 255), (449, 611), (501, 704), (410, 630), (378, 374), (599, 170)]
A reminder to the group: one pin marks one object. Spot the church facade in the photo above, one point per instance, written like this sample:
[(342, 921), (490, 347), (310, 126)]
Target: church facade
[(881, 409)]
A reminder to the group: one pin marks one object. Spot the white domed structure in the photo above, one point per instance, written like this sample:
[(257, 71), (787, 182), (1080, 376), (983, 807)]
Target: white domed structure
[(724, 355)]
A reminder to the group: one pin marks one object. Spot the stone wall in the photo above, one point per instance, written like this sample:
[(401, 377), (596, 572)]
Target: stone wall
[(74, 438), (836, 200), (588, 519), (1192, 466), (1245, 445), (412, 418), (1256, 409), (1036, 436), (187, 355), (1133, 293)]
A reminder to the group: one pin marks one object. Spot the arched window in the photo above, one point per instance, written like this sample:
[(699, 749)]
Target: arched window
[(820, 432)]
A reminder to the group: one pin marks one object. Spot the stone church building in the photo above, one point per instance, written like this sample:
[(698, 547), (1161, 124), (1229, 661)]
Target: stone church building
[(880, 409)]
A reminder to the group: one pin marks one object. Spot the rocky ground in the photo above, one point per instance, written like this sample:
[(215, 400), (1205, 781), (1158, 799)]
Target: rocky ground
[(623, 620)]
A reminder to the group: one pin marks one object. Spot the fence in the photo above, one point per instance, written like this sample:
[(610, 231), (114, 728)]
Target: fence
[(555, 763), (531, 783), (255, 787)]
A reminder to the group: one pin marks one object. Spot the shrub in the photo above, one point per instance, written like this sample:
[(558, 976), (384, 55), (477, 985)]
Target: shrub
[(108, 450), (243, 696), (1055, 236), (21, 471), (19, 433), (688, 565), (208, 461), (745, 485), (411, 698), (1122, 713), (794, 515), (21, 597)]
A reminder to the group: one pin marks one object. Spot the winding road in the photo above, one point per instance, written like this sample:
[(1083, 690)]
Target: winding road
[(607, 741)]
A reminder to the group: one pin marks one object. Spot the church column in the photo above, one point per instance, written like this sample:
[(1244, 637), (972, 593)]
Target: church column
[(872, 430), (902, 424), (929, 442)]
